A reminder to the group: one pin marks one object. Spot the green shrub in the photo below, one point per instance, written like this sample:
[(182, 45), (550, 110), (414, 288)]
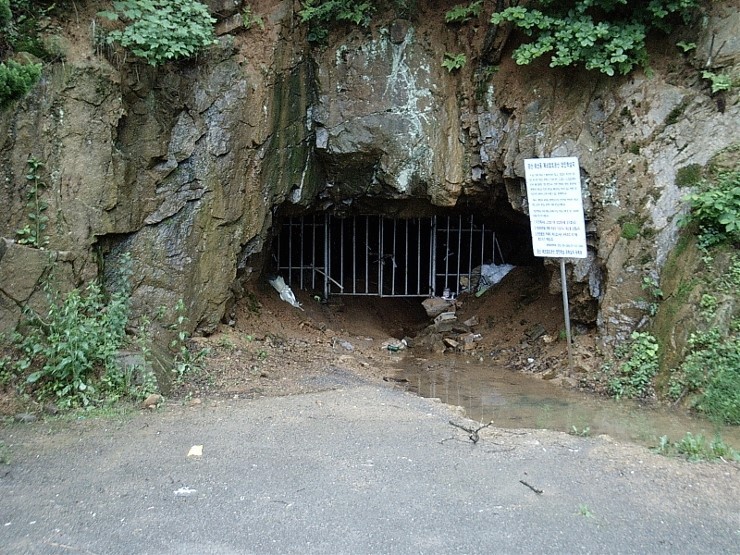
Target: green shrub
[(162, 30), (711, 373), (635, 374), (5, 13), (16, 80), (320, 14), (70, 353), (605, 35), (716, 208)]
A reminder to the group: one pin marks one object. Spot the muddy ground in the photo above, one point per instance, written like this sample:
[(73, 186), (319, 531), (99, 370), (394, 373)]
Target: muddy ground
[(273, 348)]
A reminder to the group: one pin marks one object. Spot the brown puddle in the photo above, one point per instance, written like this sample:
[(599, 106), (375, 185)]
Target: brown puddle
[(515, 400)]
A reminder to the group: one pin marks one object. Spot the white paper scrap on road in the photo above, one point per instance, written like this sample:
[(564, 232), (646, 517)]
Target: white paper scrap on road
[(555, 207), (196, 451), (185, 492)]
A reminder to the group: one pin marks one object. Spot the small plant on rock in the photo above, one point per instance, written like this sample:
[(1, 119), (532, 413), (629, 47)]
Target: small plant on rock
[(185, 362), (464, 12), (32, 233), (640, 364), (715, 208), (320, 14), (453, 62)]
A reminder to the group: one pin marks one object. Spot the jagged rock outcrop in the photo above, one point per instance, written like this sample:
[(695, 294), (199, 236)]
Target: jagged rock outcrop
[(184, 166)]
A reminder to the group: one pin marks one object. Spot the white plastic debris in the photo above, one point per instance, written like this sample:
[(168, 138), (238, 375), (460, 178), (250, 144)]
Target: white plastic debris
[(196, 451), (491, 274), (185, 492), (286, 294)]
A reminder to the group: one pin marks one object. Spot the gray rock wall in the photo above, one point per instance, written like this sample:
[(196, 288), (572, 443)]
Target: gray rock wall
[(184, 166)]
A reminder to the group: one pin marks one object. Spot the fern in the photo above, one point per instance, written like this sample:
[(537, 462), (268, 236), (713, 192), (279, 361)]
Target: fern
[(462, 13)]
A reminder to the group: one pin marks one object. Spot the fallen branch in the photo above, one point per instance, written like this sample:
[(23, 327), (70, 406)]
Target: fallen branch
[(473, 434), (534, 489)]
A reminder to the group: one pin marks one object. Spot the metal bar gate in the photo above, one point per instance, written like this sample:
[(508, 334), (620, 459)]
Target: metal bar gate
[(386, 257)]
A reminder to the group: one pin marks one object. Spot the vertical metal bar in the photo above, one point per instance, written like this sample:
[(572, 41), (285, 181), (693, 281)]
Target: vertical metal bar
[(380, 256), (498, 246), (566, 312), (303, 262), (279, 247), (432, 255), (493, 247), (313, 252), (393, 261), (290, 251), (367, 253), (482, 245), (447, 254), (406, 261), (341, 253), (327, 259), (470, 258), (354, 254), (418, 256), (459, 249)]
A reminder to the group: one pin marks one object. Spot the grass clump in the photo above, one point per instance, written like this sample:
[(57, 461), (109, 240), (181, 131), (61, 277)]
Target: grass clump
[(689, 176), (630, 230), (697, 448)]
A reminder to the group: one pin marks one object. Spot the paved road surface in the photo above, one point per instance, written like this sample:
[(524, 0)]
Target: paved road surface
[(360, 470)]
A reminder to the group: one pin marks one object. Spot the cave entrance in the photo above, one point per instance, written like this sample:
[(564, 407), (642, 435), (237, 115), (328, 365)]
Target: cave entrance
[(372, 255)]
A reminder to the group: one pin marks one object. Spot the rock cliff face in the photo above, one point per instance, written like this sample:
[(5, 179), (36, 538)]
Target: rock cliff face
[(185, 166)]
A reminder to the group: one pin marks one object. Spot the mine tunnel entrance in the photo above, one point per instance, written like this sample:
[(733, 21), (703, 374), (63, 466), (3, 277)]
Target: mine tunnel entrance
[(373, 255)]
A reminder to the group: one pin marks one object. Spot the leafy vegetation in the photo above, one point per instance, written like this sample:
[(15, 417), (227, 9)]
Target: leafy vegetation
[(718, 82), (162, 30), (454, 62), (250, 19), (639, 366), (5, 13), (31, 233), (710, 373), (320, 14), (16, 80), (696, 448), (715, 208), (71, 350), (185, 362), (605, 35), (464, 12)]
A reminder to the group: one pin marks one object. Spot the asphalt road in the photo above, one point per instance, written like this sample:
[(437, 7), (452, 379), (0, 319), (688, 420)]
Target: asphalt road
[(359, 470)]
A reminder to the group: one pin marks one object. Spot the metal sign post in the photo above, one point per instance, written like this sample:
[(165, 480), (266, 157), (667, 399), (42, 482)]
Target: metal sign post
[(556, 217)]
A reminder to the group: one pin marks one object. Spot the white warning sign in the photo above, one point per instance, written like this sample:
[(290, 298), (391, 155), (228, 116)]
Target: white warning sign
[(555, 207)]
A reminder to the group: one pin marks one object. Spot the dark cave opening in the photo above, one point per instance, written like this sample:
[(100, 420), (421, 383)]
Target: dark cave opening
[(398, 253)]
